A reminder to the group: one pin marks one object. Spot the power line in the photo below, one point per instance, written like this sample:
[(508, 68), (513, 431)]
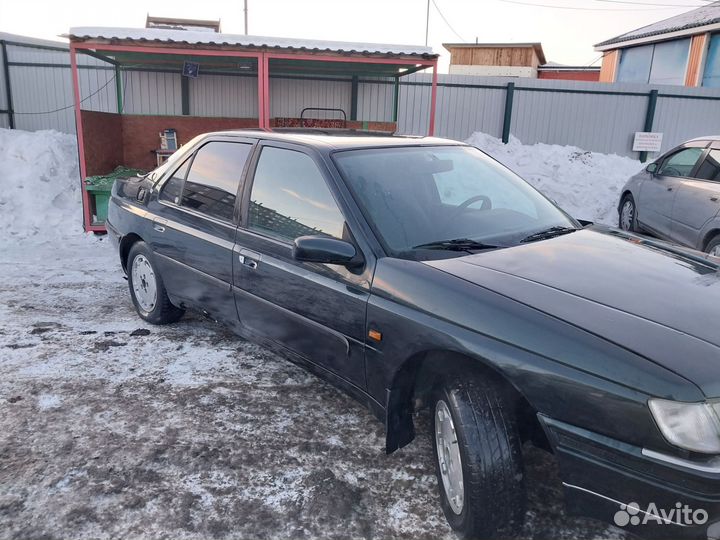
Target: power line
[(447, 23), (646, 3), (71, 106), (584, 8)]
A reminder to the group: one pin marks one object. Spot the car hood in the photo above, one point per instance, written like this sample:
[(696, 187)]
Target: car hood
[(657, 300)]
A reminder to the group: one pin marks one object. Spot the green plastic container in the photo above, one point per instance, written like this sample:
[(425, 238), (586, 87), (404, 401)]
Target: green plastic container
[(99, 188), (99, 197)]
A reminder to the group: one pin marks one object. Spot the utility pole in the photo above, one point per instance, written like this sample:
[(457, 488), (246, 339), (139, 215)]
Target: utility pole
[(427, 22), (246, 17)]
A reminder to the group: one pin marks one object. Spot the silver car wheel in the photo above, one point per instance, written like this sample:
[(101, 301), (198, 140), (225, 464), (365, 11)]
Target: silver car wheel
[(144, 283), (627, 215), (449, 461), (715, 252)]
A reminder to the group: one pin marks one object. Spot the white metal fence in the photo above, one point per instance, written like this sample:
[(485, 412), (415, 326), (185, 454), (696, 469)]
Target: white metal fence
[(593, 116)]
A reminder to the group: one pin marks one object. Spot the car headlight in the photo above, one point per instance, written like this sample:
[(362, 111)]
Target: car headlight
[(692, 426)]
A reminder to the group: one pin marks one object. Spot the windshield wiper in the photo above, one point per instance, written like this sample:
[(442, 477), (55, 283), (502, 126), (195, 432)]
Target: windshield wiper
[(458, 244), (548, 233)]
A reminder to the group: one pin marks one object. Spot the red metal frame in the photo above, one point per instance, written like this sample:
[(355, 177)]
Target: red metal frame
[(263, 60), (433, 100), (162, 50), (87, 215)]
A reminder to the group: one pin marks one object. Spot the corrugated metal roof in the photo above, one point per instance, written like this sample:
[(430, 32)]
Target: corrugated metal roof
[(158, 35), (696, 18)]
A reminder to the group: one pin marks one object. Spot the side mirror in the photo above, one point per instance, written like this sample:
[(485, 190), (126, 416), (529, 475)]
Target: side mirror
[(321, 249), (652, 168)]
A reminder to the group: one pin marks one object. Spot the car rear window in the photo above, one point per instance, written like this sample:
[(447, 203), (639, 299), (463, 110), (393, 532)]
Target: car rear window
[(213, 181)]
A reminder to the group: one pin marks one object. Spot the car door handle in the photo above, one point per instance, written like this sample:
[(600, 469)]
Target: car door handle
[(714, 199), (247, 261), (249, 258), (669, 189), (159, 224)]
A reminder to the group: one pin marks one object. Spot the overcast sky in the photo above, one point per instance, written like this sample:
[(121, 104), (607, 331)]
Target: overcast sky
[(567, 35)]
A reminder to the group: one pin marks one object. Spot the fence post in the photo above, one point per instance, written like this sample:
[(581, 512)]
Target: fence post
[(396, 99), (185, 95), (119, 92), (509, 94), (8, 87), (649, 118), (354, 90)]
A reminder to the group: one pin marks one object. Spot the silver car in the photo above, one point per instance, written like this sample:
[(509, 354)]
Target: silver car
[(677, 197)]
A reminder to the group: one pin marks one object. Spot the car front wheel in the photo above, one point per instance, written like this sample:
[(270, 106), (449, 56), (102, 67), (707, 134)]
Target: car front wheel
[(146, 288), (628, 214), (478, 459)]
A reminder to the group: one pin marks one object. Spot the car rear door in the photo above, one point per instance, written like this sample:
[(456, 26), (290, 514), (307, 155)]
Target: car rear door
[(657, 194), (697, 201), (316, 311), (194, 224)]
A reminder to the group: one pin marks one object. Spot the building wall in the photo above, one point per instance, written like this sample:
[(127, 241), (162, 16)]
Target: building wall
[(494, 56), (698, 46), (494, 71), (567, 75), (141, 133), (609, 66), (695, 61)]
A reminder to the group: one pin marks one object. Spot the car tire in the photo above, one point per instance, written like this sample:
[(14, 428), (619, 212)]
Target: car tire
[(627, 215), (147, 289), (488, 444), (713, 246)]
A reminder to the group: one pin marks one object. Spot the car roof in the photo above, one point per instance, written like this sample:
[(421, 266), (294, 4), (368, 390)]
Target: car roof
[(707, 138), (337, 140)]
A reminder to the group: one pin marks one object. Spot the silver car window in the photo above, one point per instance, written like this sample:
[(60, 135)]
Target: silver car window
[(681, 163), (710, 169)]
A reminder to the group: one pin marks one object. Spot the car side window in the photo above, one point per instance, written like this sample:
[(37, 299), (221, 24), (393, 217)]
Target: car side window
[(290, 198), (173, 186), (681, 163), (214, 178), (710, 168)]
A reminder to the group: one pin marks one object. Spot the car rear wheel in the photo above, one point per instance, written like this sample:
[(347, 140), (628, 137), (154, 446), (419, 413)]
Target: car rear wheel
[(713, 247), (628, 214), (478, 459), (146, 288)]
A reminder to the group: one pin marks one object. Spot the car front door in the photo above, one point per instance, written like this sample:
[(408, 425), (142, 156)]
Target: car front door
[(697, 201), (194, 226), (317, 311), (657, 194)]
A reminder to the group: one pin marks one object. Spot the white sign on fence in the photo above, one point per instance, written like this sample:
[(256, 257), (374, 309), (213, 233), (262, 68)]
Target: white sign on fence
[(647, 142)]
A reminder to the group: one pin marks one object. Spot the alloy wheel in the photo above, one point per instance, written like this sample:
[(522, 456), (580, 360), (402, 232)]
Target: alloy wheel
[(449, 460), (627, 215), (144, 283)]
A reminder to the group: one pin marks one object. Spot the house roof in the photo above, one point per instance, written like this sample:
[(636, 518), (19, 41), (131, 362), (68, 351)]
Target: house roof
[(691, 22), (534, 45), (188, 37)]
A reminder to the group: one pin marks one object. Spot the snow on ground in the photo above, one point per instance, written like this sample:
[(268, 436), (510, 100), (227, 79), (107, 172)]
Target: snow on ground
[(110, 427), (40, 193), (585, 184)]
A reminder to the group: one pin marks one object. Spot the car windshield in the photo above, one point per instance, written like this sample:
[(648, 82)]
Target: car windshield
[(446, 198)]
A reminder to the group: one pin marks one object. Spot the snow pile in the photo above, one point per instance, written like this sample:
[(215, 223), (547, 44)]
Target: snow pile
[(585, 184), (40, 196)]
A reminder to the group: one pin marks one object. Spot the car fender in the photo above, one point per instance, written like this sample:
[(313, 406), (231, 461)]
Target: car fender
[(563, 371)]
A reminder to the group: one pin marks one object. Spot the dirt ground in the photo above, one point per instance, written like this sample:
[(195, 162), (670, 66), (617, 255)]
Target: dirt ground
[(113, 428)]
